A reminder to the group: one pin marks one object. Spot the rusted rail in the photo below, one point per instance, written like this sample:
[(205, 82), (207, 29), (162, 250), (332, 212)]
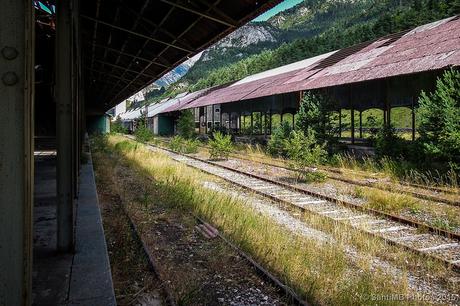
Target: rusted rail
[(456, 237)]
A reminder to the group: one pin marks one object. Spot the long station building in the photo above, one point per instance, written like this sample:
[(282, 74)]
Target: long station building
[(382, 74)]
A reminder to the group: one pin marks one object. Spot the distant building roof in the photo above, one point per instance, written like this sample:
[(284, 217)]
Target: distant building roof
[(429, 47)]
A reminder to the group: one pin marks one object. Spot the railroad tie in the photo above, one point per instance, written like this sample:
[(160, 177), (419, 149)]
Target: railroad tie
[(439, 247)]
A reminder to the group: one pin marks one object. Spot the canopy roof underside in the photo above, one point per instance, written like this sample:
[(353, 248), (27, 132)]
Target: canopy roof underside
[(128, 44)]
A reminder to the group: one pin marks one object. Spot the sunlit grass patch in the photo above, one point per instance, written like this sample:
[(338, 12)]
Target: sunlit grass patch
[(387, 201), (320, 271)]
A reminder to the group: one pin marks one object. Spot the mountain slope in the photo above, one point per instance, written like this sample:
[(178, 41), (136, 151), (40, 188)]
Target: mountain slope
[(305, 20), (311, 28)]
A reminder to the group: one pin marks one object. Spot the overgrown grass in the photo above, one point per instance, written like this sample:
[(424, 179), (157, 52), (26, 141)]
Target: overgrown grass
[(386, 201), (182, 145), (322, 272), (445, 217)]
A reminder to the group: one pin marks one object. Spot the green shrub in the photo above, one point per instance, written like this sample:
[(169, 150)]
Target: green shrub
[(117, 127), (276, 144), (190, 146), (181, 145), (125, 146), (176, 143), (143, 133), (439, 117), (186, 124), (304, 152), (220, 146), (388, 143)]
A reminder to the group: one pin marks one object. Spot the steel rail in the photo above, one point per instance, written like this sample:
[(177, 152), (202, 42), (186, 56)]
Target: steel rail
[(434, 230), (354, 182), (269, 276), (292, 295)]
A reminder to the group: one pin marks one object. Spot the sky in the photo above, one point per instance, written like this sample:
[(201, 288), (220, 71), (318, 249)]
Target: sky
[(279, 8)]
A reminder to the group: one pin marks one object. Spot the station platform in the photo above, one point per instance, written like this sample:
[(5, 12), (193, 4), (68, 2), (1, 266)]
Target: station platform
[(79, 278)]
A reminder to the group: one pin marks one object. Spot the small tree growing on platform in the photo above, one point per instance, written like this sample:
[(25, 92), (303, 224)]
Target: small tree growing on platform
[(439, 117), (305, 153), (220, 146), (276, 145), (316, 112), (117, 126), (142, 132), (186, 124)]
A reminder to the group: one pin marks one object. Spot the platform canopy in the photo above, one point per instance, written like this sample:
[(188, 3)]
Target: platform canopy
[(128, 44)]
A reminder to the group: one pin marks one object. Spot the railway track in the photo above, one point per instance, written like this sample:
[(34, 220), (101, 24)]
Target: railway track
[(332, 176), (413, 236), (291, 295)]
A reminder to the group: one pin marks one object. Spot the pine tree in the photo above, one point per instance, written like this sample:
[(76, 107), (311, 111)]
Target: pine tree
[(186, 124), (316, 112), (439, 116)]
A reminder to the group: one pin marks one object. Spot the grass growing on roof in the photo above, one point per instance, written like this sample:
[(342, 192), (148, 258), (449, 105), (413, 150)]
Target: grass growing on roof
[(319, 271)]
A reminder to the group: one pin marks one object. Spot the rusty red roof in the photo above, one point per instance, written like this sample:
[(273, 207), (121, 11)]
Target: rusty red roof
[(428, 47)]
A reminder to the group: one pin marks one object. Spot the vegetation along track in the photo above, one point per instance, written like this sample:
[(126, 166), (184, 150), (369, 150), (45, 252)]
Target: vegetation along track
[(420, 238), (331, 174), (290, 293)]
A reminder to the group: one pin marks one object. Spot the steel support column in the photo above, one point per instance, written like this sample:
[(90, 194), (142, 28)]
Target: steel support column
[(340, 123), (16, 151), (413, 118), (270, 121), (64, 127), (352, 119)]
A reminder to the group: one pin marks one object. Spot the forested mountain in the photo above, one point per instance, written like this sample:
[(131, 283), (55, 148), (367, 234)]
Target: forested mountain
[(310, 28), (305, 20)]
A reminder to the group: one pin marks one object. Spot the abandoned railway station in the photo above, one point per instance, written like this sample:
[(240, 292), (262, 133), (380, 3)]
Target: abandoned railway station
[(63, 64), (383, 74)]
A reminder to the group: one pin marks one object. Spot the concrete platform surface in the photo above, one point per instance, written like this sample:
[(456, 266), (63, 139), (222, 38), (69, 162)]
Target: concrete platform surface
[(81, 278)]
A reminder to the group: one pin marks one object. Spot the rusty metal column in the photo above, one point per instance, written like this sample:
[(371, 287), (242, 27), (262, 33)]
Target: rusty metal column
[(270, 121), (413, 118), (352, 119), (16, 151), (340, 122), (64, 128), (361, 124)]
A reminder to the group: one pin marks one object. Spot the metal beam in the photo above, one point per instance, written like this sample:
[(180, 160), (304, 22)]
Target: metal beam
[(131, 55), (16, 151), (218, 11), (98, 5), (165, 17), (64, 127), (133, 27), (135, 33), (126, 69), (155, 26), (109, 74), (178, 37), (191, 10)]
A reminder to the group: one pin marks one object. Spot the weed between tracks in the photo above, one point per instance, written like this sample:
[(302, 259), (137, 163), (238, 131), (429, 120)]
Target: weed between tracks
[(133, 281), (319, 271)]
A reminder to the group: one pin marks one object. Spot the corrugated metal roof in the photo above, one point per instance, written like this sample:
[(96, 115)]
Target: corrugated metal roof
[(428, 47)]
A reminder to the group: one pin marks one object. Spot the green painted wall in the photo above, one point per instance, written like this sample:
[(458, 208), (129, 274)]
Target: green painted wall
[(165, 125), (98, 124)]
